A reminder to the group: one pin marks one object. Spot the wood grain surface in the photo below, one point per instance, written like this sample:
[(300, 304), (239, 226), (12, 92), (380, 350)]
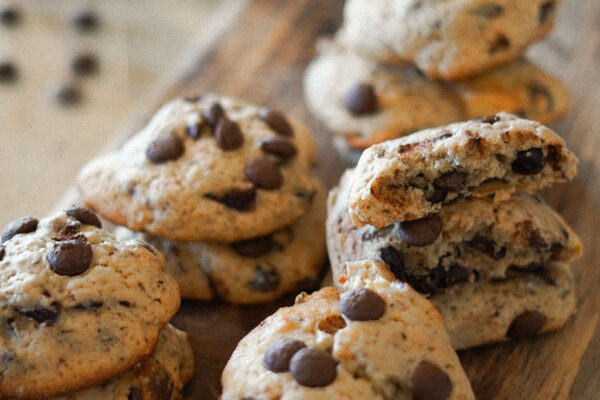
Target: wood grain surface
[(262, 58)]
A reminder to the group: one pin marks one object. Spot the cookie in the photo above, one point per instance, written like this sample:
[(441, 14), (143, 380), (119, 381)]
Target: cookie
[(253, 271), (446, 39), (214, 168), (77, 306), (405, 101), (472, 239), (162, 376), (379, 340), (413, 176)]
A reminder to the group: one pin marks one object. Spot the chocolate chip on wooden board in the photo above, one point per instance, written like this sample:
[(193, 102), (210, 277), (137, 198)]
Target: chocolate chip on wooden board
[(421, 232), (362, 305), (276, 121), (264, 172), (228, 134), (313, 368), (23, 225), (70, 256), (167, 146), (429, 382), (525, 324), (279, 354), (361, 99), (84, 215)]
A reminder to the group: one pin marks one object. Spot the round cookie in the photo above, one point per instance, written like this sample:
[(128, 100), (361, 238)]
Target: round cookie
[(446, 39), (162, 376), (214, 168), (253, 271), (77, 306), (382, 342)]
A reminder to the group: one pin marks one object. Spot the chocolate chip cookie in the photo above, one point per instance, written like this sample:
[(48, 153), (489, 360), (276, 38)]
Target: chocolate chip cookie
[(378, 340), (256, 270), (212, 168), (77, 306), (446, 39), (414, 176), (473, 239)]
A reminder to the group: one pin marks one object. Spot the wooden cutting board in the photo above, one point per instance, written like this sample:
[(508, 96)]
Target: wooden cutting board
[(262, 56)]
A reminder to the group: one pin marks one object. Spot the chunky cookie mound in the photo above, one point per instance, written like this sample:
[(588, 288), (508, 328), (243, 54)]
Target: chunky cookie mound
[(213, 168), (77, 306), (414, 176), (446, 39), (378, 340)]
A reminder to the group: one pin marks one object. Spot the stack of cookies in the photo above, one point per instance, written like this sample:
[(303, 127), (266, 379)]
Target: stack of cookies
[(224, 189), (450, 211), (85, 316), (396, 67)]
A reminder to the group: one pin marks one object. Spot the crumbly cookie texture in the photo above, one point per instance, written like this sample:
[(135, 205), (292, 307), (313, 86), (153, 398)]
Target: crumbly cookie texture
[(446, 39), (77, 306), (213, 168), (472, 239), (252, 271), (405, 101), (413, 176), (379, 340), (162, 376)]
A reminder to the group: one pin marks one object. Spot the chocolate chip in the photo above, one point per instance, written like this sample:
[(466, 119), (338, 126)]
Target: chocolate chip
[(254, 247), (436, 196), (362, 305), (89, 305), (10, 16), (264, 172), (84, 64), (489, 119), (528, 162), (71, 256), (456, 274), (486, 246), (313, 368), (394, 259), (553, 157), (2, 252), (501, 43), (265, 279), (489, 10), (280, 147), (278, 355), (66, 93), (538, 92), (228, 134), (86, 21), (453, 182), (421, 232), (161, 384), (238, 199), (429, 382), (214, 114), (525, 324), (546, 10), (195, 130), (8, 72), (361, 99), (41, 314), (23, 225), (84, 215), (276, 121), (331, 324), (167, 146)]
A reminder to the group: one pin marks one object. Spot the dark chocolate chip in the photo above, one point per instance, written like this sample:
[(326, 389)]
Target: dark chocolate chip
[(84, 64), (8, 72), (276, 121), (436, 196), (546, 10), (553, 157), (331, 324), (486, 246), (457, 274), (228, 134), (71, 229), (453, 182), (84, 215), (280, 147), (125, 303), (214, 114), (89, 305), (254, 247), (23, 225), (10, 16), (421, 232), (41, 314), (2, 252), (278, 355), (394, 259), (500, 43), (167, 146), (489, 10), (525, 324), (429, 382), (539, 92), (489, 119), (362, 305), (71, 256), (313, 368), (66, 93), (86, 21), (361, 99), (195, 130), (238, 199), (264, 172), (528, 162), (265, 279), (161, 384)]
